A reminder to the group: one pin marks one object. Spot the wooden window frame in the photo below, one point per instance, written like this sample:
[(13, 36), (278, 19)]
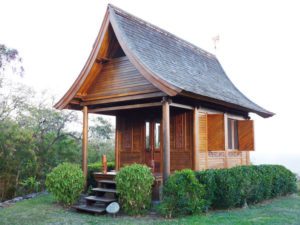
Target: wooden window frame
[(232, 134)]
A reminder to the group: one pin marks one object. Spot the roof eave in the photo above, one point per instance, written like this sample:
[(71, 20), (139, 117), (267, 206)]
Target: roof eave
[(264, 114)]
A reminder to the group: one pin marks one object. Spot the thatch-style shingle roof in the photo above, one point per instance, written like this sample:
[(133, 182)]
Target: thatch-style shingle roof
[(176, 67), (182, 65)]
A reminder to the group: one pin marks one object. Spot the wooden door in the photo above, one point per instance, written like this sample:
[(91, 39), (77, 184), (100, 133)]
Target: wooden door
[(153, 144)]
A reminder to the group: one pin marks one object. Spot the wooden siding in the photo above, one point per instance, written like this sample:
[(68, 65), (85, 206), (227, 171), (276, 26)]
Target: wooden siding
[(213, 159), (118, 78), (246, 135), (203, 133), (130, 141), (181, 140)]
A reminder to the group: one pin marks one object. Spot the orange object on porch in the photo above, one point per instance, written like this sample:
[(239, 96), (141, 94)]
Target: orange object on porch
[(104, 164)]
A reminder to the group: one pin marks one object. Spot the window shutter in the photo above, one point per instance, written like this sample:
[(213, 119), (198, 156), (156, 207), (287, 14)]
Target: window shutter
[(215, 132), (246, 135)]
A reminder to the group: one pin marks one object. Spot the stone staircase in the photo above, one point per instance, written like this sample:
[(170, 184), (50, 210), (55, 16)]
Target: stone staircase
[(102, 196)]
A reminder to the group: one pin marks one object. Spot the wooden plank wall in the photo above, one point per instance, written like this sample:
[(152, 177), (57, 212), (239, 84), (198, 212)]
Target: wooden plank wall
[(119, 78), (181, 142), (216, 159), (130, 140), (130, 144)]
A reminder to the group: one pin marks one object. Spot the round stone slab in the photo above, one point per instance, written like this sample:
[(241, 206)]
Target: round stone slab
[(113, 208)]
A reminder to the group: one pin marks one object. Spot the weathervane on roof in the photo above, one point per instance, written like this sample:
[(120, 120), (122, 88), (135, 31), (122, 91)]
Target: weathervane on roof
[(216, 40)]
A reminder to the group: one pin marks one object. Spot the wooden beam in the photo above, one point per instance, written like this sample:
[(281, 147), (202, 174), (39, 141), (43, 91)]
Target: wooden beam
[(181, 106), (166, 138), (85, 141), (122, 99), (196, 151), (134, 106), (101, 60)]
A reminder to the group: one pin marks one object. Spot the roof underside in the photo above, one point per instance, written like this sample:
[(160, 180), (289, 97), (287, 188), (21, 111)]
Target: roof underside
[(171, 64)]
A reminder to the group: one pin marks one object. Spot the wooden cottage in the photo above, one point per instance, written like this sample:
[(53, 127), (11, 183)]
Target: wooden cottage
[(175, 106)]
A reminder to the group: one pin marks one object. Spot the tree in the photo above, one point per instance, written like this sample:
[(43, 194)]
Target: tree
[(10, 57), (102, 129), (101, 140), (17, 158), (54, 144)]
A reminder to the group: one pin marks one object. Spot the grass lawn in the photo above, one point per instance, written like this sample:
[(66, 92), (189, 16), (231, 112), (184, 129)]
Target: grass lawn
[(43, 210)]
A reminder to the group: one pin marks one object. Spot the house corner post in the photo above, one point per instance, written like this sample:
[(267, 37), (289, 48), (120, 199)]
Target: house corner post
[(84, 141), (196, 152), (166, 138)]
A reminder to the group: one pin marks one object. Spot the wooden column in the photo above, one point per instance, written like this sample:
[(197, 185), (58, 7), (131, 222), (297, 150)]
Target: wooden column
[(84, 140), (166, 138), (226, 140), (196, 151), (117, 144)]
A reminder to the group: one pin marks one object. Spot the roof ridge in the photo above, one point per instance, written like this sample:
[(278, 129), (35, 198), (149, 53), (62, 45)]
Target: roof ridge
[(162, 31)]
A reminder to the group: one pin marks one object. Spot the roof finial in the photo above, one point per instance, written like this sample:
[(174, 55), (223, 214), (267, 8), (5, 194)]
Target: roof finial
[(216, 40)]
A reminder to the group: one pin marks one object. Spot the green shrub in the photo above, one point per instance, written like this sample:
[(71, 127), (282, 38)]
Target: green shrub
[(284, 181), (65, 182), (227, 194), (134, 186), (30, 185), (97, 167), (237, 186), (208, 179), (182, 195)]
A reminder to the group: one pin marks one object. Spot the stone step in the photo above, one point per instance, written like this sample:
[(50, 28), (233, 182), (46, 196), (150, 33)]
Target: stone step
[(100, 199), (107, 181), (109, 190), (90, 209)]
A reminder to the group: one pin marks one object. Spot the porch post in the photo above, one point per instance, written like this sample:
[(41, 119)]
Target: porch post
[(196, 154), (166, 138), (84, 140)]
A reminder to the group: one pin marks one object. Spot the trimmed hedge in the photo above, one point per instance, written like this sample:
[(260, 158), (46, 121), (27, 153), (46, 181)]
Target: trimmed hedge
[(134, 186), (238, 186), (182, 195), (97, 167)]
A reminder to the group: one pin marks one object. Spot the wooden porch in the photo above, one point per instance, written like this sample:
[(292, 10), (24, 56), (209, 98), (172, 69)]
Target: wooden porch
[(158, 134)]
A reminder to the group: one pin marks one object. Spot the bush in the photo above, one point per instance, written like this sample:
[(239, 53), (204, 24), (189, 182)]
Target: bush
[(182, 195), (235, 187), (134, 186), (30, 185), (65, 182), (208, 179), (97, 167)]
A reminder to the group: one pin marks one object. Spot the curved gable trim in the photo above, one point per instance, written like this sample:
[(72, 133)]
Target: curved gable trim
[(156, 80)]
